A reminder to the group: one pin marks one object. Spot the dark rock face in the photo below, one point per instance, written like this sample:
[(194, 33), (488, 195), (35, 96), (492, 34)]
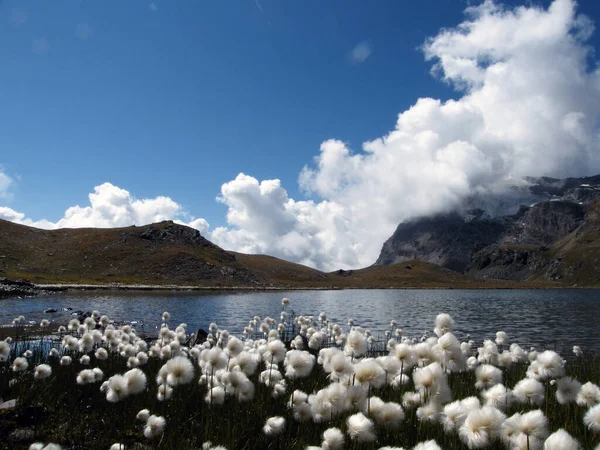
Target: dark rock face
[(446, 240), (508, 263), (546, 222), (479, 244)]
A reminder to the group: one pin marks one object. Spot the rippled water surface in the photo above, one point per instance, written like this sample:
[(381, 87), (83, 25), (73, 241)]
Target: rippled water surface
[(551, 318)]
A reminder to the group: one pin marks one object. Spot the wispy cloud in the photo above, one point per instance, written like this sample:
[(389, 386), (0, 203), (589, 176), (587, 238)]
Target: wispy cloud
[(40, 45), (84, 31), (18, 16), (360, 53), (5, 184)]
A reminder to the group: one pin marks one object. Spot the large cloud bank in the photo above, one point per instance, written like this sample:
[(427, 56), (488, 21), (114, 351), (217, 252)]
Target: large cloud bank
[(530, 105)]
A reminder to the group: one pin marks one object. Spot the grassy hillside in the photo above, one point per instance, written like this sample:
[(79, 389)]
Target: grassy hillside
[(577, 255), (166, 253), (162, 253)]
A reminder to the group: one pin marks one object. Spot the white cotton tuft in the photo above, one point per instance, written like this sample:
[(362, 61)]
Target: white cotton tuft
[(487, 376), (333, 439), (529, 392), (117, 388), (155, 426), (42, 371), (360, 428), (427, 445), (298, 364), (567, 390), (274, 425), (592, 418), (588, 395), (443, 324), (180, 370), (136, 381), (561, 440)]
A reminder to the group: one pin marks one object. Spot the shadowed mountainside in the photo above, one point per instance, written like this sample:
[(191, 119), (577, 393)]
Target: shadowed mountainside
[(555, 239)]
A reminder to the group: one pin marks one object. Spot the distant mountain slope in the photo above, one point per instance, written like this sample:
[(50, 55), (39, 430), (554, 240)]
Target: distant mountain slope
[(160, 253), (549, 241), (166, 253), (572, 260)]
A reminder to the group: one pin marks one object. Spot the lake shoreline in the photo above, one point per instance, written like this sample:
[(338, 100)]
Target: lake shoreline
[(25, 289)]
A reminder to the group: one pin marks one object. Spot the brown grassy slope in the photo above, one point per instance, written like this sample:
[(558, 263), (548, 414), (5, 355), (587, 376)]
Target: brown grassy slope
[(418, 274), (579, 252), (162, 253), (167, 253)]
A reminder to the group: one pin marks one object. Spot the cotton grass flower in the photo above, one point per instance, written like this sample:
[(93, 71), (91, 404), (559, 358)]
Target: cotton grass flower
[(529, 392), (118, 388), (443, 324), (136, 381), (549, 365), (98, 374), (567, 390), (42, 371), (180, 371), (4, 350), (360, 428), (453, 416), (428, 445), (588, 395), (215, 396), (487, 376), (274, 426), (561, 440), (86, 376), (65, 361), (333, 439), (356, 344), (164, 392), (533, 423), (20, 364), (143, 415), (369, 373), (591, 419), (155, 426), (480, 427), (429, 412), (298, 364), (498, 396)]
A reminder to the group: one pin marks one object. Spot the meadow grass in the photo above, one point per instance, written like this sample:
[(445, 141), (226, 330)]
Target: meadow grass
[(312, 373)]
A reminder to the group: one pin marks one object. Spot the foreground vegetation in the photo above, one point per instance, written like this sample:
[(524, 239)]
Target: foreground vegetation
[(295, 382)]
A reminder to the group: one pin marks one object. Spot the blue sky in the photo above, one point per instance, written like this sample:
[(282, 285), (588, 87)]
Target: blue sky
[(177, 101), (176, 98)]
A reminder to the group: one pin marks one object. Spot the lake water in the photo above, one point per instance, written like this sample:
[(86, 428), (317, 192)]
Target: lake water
[(549, 318)]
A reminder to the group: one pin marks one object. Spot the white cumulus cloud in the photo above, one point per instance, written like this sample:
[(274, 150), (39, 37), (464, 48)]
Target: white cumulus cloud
[(530, 106), (111, 206)]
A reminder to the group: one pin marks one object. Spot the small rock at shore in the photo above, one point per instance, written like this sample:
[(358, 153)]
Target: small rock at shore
[(21, 435), (50, 310), (9, 404)]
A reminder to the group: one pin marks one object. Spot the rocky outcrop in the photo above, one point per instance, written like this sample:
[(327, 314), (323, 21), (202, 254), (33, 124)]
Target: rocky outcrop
[(446, 240), (511, 247), (14, 288)]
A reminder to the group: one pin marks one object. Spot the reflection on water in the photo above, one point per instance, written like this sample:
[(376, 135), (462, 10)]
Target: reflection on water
[(553, 318)]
